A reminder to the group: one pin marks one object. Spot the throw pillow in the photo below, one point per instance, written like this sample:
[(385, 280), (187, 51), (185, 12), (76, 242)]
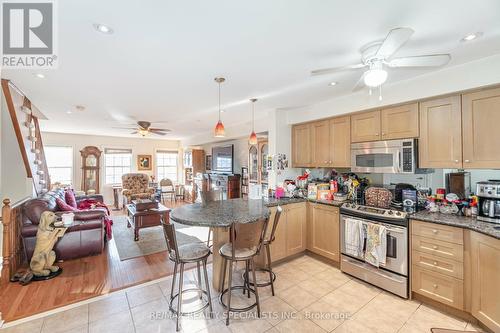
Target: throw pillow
[(63, 206), (69, 196)]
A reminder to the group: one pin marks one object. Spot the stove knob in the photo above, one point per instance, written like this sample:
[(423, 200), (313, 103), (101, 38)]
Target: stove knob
[(398, 213), (390, 212)]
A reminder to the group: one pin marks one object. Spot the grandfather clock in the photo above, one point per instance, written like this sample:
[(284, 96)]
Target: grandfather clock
[(90, 168)]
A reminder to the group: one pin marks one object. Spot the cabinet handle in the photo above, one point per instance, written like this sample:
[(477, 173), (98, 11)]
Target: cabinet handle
[(456, 161), (435, 286), (330, 162), (377, 134), (435, 247), (435, 263), (383, 133), (434, 231), (467, 161)]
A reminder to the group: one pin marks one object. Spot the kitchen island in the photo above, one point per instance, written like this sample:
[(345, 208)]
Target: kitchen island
[(220, 216)]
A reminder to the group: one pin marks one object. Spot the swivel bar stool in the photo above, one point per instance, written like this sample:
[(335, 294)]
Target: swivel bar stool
[(195, 252), (245, 242), (267, 242)]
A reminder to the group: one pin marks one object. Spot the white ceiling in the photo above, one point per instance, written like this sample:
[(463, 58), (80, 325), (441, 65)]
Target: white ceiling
[(163, 56)]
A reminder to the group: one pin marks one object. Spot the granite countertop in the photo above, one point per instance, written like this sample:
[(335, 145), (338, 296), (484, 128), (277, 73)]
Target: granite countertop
[(220, 213), (487, 228)]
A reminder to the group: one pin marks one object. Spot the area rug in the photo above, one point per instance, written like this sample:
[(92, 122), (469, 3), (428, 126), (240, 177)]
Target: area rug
[(151, 240)]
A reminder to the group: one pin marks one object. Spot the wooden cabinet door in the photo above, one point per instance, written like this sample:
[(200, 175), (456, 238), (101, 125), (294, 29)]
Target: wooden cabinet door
[(440, 144), (340, 143), (301, 145), (485, 275), (400, 122), (324, 228), (481, 135), (365, 126), (296, 217), (320, 140)]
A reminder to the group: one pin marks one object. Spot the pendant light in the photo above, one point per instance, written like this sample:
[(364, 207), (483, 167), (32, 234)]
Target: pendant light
[(253, 137), (219, 131)]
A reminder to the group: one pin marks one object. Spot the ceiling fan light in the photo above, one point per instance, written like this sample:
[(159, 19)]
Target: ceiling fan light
[(143, 132), (375, 77), (253, 139), (219, 131)]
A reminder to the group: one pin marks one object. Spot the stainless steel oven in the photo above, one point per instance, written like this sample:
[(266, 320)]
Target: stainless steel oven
[(393, 275), (391, 156)]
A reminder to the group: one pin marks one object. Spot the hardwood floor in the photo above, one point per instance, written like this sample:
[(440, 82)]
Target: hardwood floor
[(83, 279)]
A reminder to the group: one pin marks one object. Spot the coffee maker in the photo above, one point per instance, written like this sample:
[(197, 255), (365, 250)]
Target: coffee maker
[(488, 193)]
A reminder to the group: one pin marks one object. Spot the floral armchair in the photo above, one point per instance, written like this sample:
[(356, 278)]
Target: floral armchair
[(136, 186)]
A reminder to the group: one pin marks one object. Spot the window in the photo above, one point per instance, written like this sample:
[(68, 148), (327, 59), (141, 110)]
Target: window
[(117, 162), (166, 165), (60, 164)]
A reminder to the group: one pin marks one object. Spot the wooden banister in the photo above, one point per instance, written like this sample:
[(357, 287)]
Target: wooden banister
[(12, 251)]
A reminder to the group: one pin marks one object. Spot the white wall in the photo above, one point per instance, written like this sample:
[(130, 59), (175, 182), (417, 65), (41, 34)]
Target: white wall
[(470, 75), (139, 146)]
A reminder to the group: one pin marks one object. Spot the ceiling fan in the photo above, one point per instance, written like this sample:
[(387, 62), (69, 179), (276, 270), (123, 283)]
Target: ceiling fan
[(144, 128), (378, 56)]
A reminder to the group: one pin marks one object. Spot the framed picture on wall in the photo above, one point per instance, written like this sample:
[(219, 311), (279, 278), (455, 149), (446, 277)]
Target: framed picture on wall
[(208, 162), (144, 162)]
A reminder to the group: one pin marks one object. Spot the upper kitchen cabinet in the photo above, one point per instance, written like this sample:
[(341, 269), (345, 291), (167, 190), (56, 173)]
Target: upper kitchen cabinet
[(301, 146), (400, 122), (320, 141), (365, 126), (481, 116), (440, 144), (340, 143)]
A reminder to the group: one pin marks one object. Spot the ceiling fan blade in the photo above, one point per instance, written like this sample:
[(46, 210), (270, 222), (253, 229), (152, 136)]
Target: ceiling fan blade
[(336, 69), (160, 129), (127, 128), (394, 40), (157, 132), (134, 132), (144, 124), (434, 60), (360, 84)]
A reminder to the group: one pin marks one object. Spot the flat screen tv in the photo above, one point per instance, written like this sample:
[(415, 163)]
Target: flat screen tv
[(222, 159)]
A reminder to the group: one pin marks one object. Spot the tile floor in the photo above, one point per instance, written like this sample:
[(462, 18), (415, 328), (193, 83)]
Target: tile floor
[(311, 296)]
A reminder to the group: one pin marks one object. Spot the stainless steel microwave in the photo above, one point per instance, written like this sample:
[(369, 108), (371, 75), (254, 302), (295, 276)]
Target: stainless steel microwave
[(391, 156)]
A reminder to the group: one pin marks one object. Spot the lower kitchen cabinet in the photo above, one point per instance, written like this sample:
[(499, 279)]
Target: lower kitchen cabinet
[(296, 222), (323, 231), (485, 276)]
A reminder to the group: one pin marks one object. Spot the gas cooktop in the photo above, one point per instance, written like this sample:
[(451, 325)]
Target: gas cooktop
[(369, 211)]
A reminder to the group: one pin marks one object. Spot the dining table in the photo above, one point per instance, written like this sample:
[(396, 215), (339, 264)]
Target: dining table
[(220, 216)]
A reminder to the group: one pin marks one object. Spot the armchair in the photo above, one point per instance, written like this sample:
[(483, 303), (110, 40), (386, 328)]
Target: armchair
[(136, 186)]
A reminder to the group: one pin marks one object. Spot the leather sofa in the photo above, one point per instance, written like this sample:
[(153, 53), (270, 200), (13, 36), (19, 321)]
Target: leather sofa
[(84, 238)]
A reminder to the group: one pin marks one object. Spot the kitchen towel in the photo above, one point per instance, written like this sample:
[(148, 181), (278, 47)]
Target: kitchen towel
[(376, 244), (354, 237)]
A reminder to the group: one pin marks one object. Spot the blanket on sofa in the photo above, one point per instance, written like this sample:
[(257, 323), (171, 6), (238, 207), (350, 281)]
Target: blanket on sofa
[(94, 204)]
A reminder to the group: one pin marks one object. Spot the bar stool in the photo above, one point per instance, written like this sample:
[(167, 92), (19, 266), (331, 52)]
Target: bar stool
[(187, 253), (245, 242), (211, 196), (267, 242)]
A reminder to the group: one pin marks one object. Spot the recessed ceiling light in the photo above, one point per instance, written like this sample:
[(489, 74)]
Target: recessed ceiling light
[(69, 112), (39, 75), (332, 83), (222, 111), (472, 36), (103, 28)]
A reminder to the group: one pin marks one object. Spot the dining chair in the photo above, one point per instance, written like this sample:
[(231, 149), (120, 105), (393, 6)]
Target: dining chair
[(245, 243), (268, 239), (167, 189), (196, 252)]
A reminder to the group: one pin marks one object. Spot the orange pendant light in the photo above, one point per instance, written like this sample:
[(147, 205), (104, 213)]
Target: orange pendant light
[(219, 131), (253, 137)]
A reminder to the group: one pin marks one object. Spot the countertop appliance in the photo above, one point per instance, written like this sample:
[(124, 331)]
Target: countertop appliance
[(488, 193), (391, 156), (458, 183), (393, 276)]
